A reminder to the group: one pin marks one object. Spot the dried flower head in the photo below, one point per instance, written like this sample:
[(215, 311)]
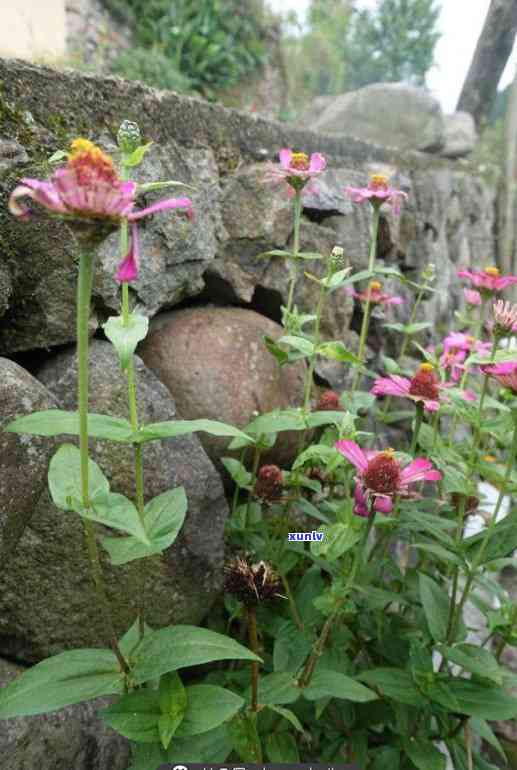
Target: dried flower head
[(251, 583), (269, 483), (328, 402)]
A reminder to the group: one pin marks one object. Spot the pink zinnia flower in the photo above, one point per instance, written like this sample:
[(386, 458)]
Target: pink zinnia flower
[(472, 297), (377, 193), (295, 168), (424, 387), (88, 189), (453, 359), (380, 477), (505, 373), (488, 280), (374, 295), (456, 346)]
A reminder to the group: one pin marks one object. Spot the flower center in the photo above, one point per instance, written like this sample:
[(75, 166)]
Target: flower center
[(424, 383), (91, 164), (375, 286), (378, 182), (383, 473), (492, 271), (300, 161)]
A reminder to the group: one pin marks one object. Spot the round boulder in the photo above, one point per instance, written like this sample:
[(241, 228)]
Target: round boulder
[(216, 365)]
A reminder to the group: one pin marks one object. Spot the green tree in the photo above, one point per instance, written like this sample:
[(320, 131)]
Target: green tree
[(395, 42)]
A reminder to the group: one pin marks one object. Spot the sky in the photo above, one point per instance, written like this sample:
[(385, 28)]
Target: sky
[(460, 23)]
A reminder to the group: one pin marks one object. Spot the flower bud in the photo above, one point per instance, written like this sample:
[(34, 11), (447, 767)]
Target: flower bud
[(269, 483), (128, 137)]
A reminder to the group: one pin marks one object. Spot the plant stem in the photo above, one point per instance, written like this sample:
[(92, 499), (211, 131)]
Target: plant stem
[(297, 206), (133, 415), (488, 532), (419, 416), (253, 642), (366, 313), (360, 556), (84, 290), (477, 434), (292, 603)]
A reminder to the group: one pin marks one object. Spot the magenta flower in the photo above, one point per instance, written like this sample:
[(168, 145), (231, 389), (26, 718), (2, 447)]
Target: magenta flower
[(377, 193), (489, 280), (505, 373), (472, 297), (423, 388), (380, 477), (295, 168), (88, 188), (374, 295), (453, 359)]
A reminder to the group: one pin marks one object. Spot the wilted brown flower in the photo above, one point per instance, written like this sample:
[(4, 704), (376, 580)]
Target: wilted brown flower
[(251, 583), (269, 483), (328, 401)]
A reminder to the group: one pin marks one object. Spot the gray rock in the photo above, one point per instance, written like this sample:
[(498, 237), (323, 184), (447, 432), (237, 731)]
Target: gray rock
[(11, 154), (390, 114), (74, 737), (23, 459), (460, 135), (5, 289), (47, 601), (215, 363)]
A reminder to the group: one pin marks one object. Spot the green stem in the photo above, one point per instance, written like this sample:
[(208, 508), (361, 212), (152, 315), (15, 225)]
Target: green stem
[(133, 415), (360, 556), (84, 290), (477, 434), (488, 532), (292, 603), (253, 642), (296, 249), (366, 313), (419, 416)]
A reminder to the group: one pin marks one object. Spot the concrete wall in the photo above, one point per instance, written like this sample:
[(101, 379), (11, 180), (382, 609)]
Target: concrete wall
[(32, 29)]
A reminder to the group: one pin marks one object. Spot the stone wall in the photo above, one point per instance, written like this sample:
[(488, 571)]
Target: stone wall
[(186, 267)]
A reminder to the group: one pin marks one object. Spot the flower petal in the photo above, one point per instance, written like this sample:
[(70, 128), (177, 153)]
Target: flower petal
[(353, 453), (394, 385), (419, 470), (165, 205), (317, 163), (383, 504), (128, 268), (285, 156)]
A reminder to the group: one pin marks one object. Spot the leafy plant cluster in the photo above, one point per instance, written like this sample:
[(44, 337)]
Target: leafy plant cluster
[(198, 45), (358, 647)]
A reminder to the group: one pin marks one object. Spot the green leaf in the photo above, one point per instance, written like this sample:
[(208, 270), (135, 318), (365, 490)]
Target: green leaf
[(441, 552), (129, 641), (288, 715), (277, 421), (245, 738), (395, 683), (125, 337), (169, 649), (173, 428), (58, 156), (279, 353), (490, 703), (475, 659), (503, 540), (281, 747), (279, 687), (298, 343), (135, 716), (338, 352), (152, 186), (208, 707), (213, 746), (424, 755), (163, 519), (336, 685), (337, 539), (337, 279), (409, 329), (317, 419), (316, 452), (70, 677), (173, 705), (481, 728), (237, 471), (137, 156), (118, 512), (53, 422), (386, 759), (64, 479), (435, 602), (290, 648)]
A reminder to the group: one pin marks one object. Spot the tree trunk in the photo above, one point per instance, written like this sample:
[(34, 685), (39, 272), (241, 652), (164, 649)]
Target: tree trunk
[(492, 51), (507, 201)]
